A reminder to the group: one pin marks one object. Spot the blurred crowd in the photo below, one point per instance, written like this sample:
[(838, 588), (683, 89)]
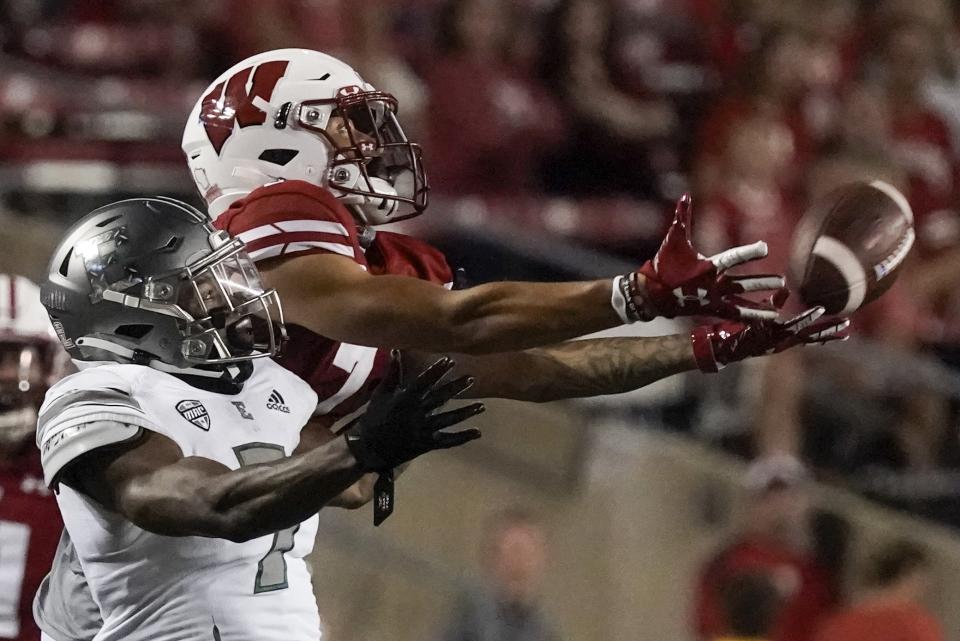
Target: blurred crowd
[(786, 571), (614, 108), (783, 575), (759, 107)]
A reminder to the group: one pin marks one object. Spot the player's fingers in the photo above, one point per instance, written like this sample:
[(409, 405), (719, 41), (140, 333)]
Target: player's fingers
[(430, 376), (826, 331), (779, 298), (446, 440), (739, 255), (446, 419), (804, 319), (756, 283), (451, 389), (756, 313), (684, 214), (824, 339), (744, 309)]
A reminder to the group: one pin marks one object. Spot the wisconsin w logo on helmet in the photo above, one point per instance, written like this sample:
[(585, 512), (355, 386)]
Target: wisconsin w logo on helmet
[(231, 101), (303, 115)]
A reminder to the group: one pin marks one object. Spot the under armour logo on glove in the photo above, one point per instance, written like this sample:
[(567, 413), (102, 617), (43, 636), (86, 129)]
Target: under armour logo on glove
[(717, 345), (700, 297), (680, 281)]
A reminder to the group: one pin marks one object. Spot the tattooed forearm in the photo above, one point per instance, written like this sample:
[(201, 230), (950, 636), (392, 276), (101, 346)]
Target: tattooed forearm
[(606, 365), (578, 368)]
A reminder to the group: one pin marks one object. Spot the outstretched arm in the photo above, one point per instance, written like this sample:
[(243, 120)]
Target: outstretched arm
[(599, 366), (158, 489), (335, 297), (576, 369), (151, 483)]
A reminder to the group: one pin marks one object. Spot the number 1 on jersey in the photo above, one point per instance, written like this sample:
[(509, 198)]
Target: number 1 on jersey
[(272, 569), (357, 361)]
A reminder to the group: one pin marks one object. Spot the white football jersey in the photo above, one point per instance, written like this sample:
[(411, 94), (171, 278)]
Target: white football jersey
[(159, 588)]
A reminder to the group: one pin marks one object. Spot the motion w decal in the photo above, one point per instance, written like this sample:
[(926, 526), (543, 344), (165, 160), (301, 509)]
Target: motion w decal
[(230, 102)]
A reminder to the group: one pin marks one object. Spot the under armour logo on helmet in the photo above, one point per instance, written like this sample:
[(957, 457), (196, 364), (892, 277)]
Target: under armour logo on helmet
[(349, 90)]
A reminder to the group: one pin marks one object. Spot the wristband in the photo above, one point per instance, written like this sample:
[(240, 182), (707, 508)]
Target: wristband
[(640, 302), (624, 297), (618, 300), (702, 339)]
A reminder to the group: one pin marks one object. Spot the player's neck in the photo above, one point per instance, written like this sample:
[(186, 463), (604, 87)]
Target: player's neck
[(228, 384)]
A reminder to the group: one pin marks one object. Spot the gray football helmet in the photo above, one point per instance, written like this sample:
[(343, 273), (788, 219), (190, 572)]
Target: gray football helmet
[(150, 281)]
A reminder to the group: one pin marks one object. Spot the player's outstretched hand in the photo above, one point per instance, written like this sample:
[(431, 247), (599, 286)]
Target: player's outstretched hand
[(680, 281), (717, 345), (401, 422)]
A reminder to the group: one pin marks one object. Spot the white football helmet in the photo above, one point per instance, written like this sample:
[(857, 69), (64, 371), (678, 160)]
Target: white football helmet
[(265, 119), (31, 358)]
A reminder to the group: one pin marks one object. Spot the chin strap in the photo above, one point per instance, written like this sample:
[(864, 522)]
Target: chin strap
[(254, 176), (129, 355), (376, 204)]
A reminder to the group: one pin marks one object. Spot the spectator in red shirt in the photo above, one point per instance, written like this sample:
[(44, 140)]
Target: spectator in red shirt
[(750, 205), (773, 541), (733, 29), (773, 83), (31, 360), (489, 122), (619, 141), (892, 610), (252, 26), (375, 55), (922, 146), (921, 140)]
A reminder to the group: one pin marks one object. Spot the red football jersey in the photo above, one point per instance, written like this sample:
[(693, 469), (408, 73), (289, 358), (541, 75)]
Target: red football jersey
[(29, 532), (297, 218)]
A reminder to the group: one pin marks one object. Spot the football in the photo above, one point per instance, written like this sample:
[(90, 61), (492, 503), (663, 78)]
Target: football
[(848, 248)]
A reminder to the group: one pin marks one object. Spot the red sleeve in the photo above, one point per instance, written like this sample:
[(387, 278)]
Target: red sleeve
[(401, 255), (292, 218)]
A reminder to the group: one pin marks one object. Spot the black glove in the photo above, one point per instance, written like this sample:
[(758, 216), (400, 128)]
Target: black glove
[(399, 424)]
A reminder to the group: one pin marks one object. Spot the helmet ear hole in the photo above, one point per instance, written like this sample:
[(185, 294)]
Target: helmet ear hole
[(278, 156), (65, 265), (133, 331)]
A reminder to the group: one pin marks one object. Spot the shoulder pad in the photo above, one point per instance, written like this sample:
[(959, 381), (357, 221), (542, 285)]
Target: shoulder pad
[(84, 412), (292, 217)]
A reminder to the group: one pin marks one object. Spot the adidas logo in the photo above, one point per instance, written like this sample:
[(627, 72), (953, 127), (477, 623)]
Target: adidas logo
[(276, 402)]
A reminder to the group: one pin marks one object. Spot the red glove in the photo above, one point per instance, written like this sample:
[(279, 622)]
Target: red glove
[(715, 346), (680, 281)]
